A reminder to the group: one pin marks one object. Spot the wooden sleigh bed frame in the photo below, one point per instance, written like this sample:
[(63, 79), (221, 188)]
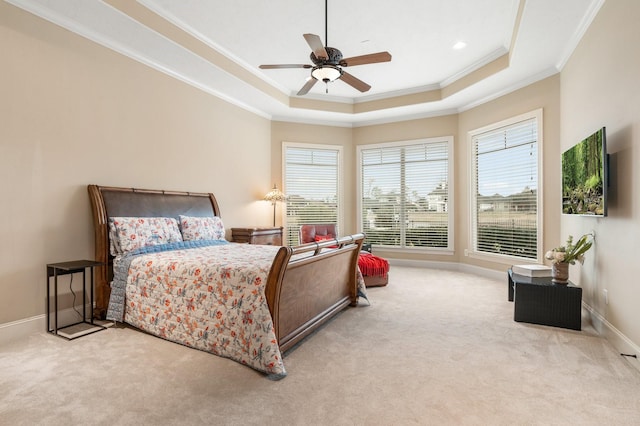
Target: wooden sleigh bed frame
[(302, 293)]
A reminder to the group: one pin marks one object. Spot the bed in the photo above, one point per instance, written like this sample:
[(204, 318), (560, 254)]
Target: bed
[(283, 293)]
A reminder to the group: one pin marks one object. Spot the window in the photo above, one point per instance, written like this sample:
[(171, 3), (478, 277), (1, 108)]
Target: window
[(405, 192), (506, 191), (312, 180)]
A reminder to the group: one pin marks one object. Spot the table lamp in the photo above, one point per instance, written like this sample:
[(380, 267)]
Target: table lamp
[(274, 196)]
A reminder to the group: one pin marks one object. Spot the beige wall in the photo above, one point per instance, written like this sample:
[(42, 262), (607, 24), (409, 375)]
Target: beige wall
[(600, 87), (75, 113)]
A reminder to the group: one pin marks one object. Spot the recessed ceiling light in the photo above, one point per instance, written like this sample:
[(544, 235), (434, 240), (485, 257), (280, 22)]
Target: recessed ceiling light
[(460, 45)]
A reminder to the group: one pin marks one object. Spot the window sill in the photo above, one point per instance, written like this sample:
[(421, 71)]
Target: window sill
[(414, 250), (498, 258)]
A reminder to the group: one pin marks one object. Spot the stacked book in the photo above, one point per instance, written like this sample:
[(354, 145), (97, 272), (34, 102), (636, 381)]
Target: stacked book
[(532, 270)]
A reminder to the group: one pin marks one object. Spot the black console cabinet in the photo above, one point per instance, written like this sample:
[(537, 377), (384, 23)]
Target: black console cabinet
[(540, 301)]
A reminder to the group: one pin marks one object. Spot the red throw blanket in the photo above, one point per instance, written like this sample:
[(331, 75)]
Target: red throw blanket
[(371, 265)]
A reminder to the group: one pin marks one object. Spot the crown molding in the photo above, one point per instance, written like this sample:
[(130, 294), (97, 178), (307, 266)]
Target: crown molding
[(593, 10)]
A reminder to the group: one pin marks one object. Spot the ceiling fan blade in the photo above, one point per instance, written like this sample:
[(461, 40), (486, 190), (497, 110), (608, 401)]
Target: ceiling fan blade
[(354, 82), (316, 45), (307, 86), (267, 67), (371, 58)]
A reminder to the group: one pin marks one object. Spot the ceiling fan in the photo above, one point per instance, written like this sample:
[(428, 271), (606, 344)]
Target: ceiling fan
[(328, 63)]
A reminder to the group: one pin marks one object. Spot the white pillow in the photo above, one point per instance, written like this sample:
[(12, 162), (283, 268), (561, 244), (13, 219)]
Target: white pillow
[(130, 233), (201, 228)]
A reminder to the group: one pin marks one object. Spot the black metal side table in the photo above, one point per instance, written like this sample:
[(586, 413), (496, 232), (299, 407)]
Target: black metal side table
[(86, 325)]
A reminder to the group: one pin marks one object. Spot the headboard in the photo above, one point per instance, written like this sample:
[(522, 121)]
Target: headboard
[(107, 201)]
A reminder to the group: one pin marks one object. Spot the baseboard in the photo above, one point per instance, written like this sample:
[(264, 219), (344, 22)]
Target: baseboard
[(619, 341), (450, 266), (488, 273), (15, 330)]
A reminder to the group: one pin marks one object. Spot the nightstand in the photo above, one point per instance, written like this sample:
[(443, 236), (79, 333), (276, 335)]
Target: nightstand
[(86, 325), (270, 236)]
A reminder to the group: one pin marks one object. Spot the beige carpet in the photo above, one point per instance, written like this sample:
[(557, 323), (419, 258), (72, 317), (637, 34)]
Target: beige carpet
[(435, 347)]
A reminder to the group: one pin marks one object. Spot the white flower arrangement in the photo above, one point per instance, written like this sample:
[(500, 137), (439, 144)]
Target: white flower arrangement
[(571, 252)]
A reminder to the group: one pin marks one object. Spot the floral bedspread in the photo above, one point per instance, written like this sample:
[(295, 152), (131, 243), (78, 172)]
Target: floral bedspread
[(210, 298)]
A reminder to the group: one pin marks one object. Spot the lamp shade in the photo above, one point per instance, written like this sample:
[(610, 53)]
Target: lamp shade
[(275, 195)]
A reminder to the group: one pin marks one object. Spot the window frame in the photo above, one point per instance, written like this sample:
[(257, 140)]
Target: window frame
[(339, 187), (450, 249), (473, 199)]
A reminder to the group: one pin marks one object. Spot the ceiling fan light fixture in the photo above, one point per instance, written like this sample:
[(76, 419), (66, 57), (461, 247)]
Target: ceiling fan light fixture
[(326, 73), (328, 63)]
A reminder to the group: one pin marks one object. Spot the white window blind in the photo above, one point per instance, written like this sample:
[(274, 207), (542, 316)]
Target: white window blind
[(311, 184), (405, 194), (505, 194)]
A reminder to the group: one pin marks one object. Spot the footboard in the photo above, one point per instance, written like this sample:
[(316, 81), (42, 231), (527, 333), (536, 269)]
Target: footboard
[(309, 284)]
